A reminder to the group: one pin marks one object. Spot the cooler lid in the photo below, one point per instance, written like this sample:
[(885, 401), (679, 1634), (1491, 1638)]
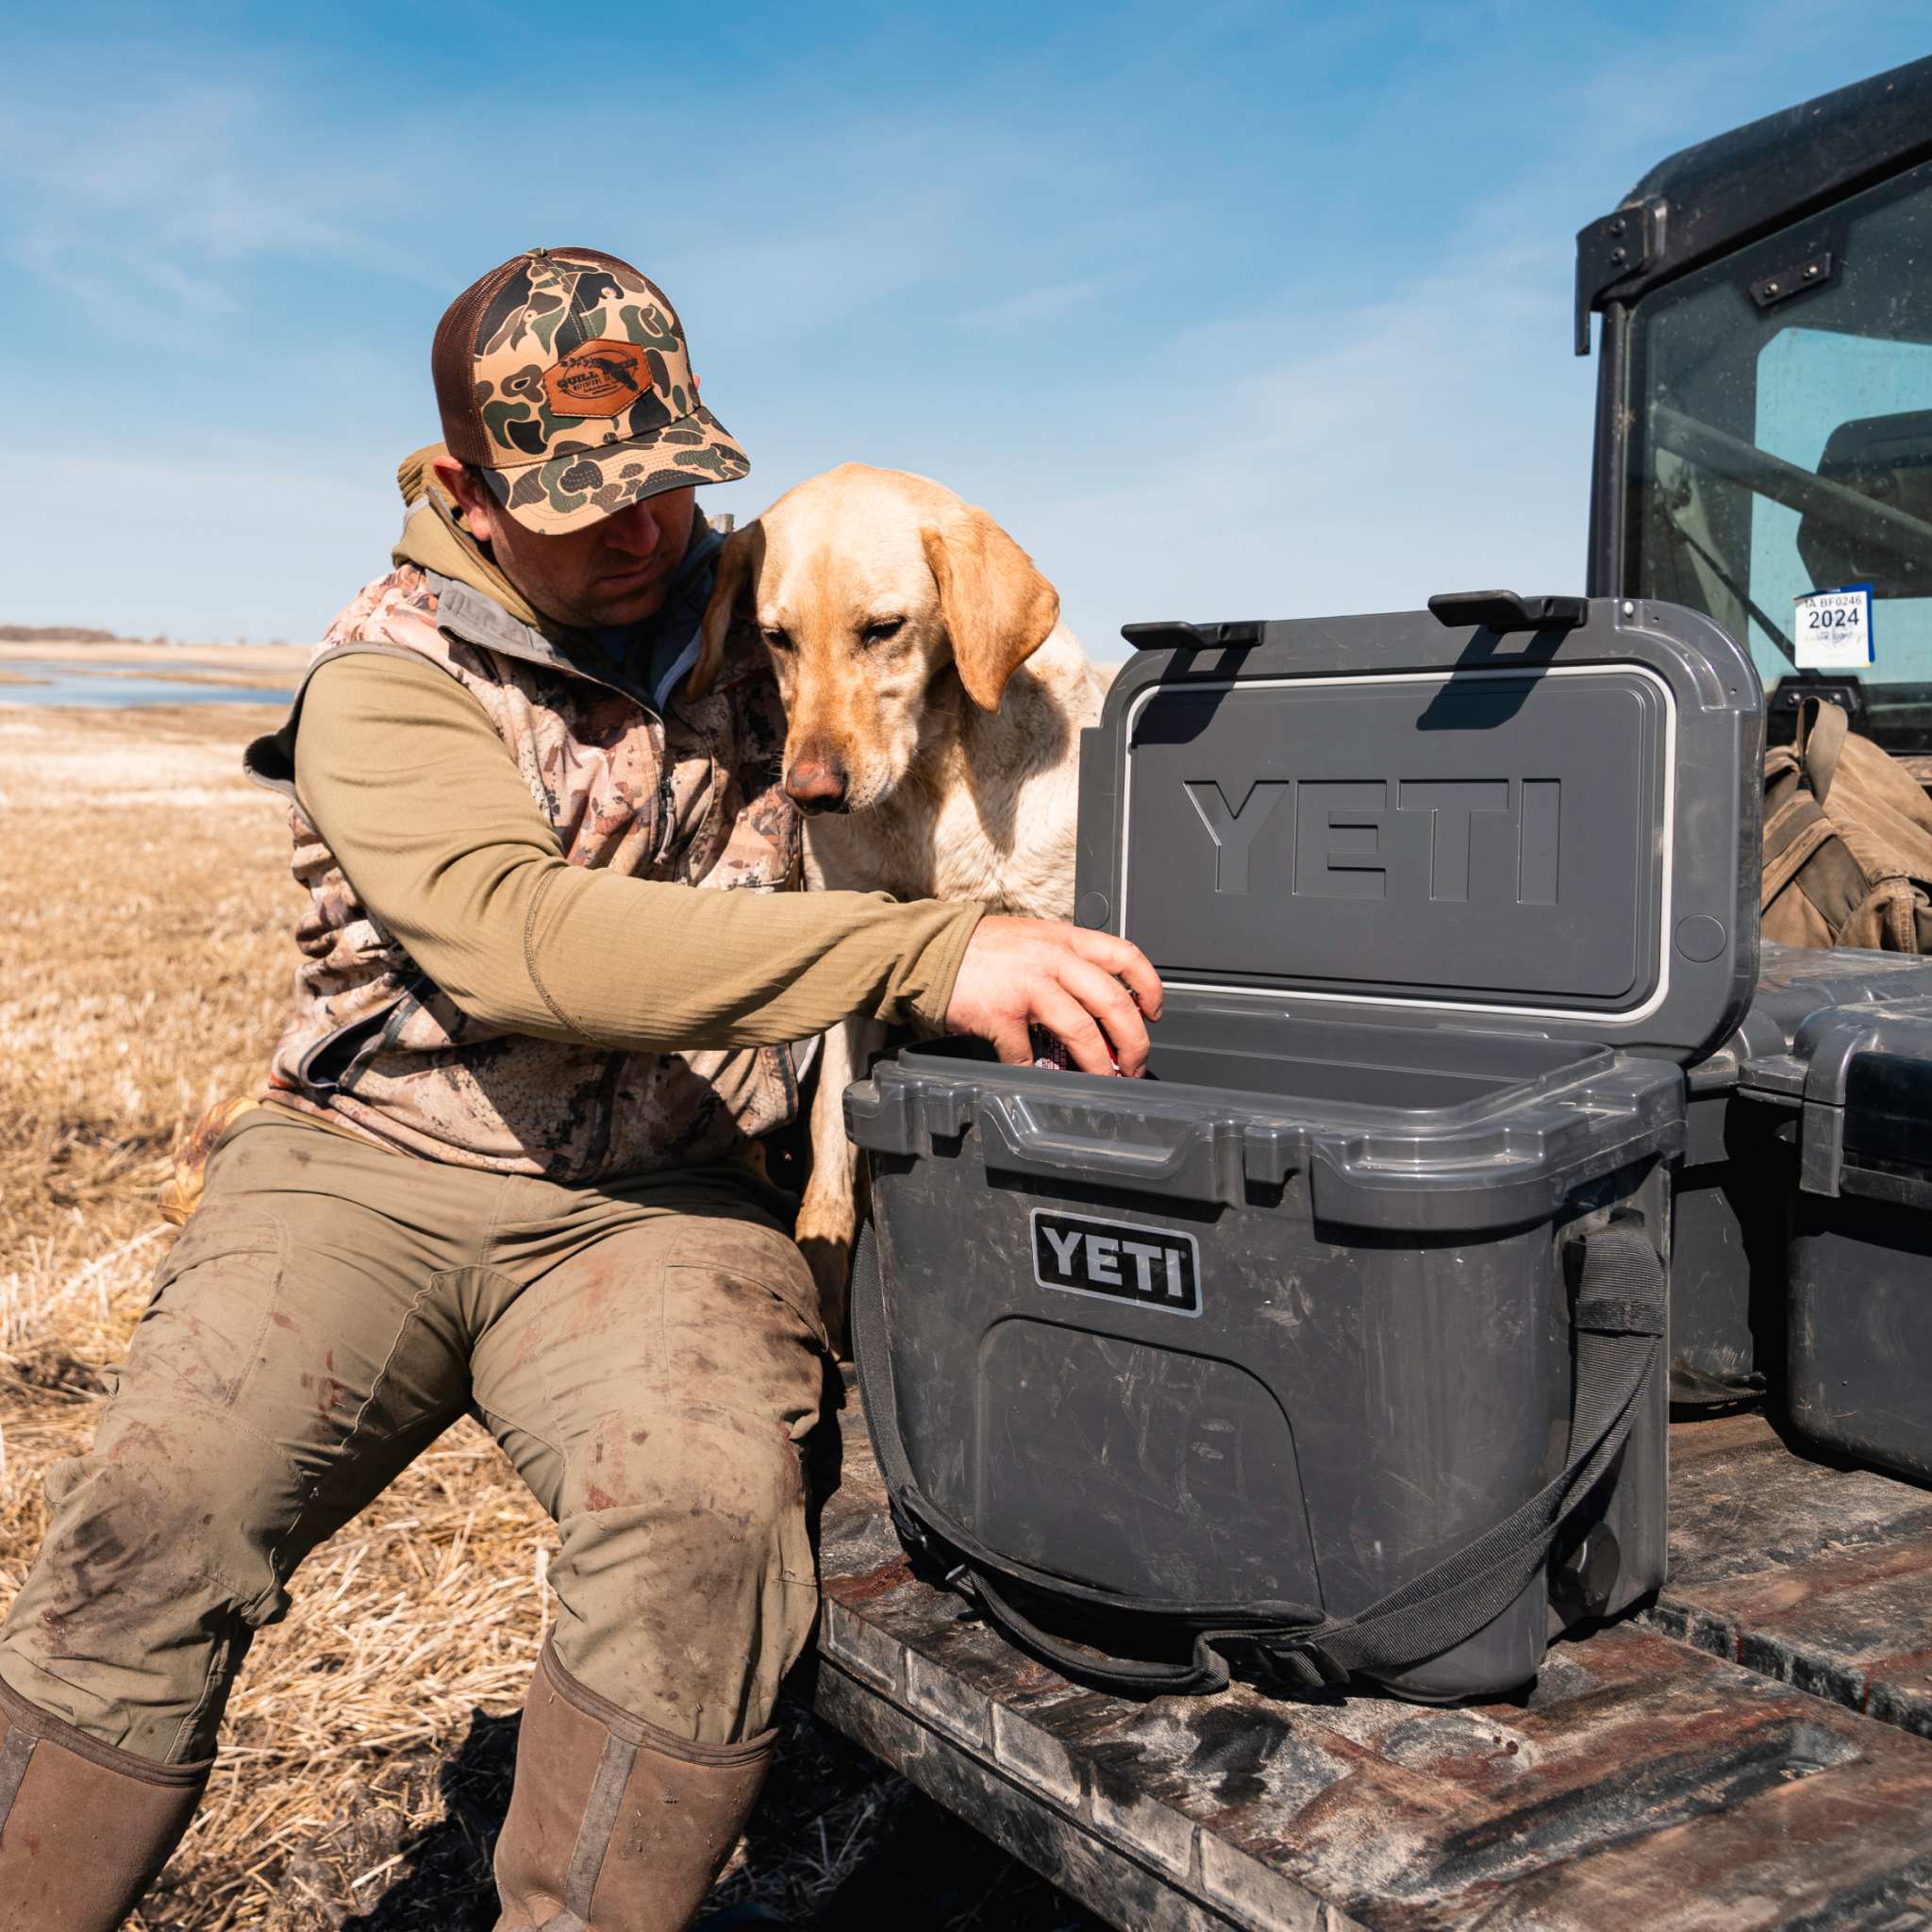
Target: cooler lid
[(1489, 814)]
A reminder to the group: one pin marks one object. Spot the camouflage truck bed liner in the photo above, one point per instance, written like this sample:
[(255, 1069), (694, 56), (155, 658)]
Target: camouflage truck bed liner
[(1817, 1576), (1648, 1779)]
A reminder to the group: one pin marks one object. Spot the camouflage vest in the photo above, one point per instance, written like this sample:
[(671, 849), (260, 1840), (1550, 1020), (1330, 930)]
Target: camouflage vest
[(689, 795)]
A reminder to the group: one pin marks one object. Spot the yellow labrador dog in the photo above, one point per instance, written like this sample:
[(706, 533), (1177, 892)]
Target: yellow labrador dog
[(934, 702)]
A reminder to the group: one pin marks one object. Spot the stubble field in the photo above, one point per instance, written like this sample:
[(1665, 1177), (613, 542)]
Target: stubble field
[(144, 960)]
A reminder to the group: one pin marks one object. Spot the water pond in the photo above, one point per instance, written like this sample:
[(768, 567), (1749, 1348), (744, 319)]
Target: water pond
[(111, 685)]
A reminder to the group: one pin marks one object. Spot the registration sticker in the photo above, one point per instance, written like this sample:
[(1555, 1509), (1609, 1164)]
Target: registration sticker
[(1834, 629)]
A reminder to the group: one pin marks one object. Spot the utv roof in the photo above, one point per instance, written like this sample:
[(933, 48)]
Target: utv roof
[(1709, 199)]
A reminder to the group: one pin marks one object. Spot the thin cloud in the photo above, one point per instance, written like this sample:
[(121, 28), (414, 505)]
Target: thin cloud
[(1438, 440), (186, 188), (1053, 299)]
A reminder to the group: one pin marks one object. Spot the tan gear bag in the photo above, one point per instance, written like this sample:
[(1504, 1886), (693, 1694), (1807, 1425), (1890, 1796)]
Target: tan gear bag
[(1847, 842)]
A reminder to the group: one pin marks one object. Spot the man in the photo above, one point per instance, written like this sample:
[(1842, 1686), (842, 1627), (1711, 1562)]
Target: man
[(508, 1161)]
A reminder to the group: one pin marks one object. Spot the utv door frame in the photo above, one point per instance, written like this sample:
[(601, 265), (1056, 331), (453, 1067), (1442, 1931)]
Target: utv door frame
[(1703, 203)]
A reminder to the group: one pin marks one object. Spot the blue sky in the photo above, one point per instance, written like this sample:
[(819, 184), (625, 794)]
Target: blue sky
[(1224, 310)]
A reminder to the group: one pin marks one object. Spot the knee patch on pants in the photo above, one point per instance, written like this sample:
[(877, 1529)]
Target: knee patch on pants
[(686, 1586), (149, 1584)]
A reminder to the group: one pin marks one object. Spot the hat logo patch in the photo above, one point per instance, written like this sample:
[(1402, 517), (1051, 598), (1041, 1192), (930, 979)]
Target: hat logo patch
[(599, 378)]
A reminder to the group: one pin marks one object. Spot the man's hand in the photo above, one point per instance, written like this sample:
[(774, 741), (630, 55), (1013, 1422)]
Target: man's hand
[(1066, 978)]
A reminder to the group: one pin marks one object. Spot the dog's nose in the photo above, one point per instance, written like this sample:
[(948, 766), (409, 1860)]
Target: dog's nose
[(816, 782)]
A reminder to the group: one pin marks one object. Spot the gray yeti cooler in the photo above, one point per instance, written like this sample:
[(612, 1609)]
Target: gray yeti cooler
[(1736, 1188), (1854, 1094), (1334, 1346)]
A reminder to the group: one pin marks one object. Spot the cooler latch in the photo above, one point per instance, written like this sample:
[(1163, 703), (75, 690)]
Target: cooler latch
[(1171, 634), (1503, 610)]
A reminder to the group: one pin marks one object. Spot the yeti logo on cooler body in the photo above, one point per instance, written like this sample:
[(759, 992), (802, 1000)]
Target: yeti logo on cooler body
[(1156, 1267)]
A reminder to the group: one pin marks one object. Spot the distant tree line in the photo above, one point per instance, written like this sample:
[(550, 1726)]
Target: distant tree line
[(55, 634)]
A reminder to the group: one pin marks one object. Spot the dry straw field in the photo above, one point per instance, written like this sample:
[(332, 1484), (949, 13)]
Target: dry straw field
[(144, 960)]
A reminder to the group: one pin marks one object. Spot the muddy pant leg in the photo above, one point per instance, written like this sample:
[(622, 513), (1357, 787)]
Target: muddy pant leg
[(296, 1355), (655, 1385), (656, 1388)]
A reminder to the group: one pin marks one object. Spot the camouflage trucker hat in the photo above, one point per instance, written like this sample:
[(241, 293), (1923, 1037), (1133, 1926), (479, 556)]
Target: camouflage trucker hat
[(563, 375)]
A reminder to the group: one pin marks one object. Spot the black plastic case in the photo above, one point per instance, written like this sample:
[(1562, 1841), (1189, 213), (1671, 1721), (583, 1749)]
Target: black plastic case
[(1856, 1095), (1738, 1187)]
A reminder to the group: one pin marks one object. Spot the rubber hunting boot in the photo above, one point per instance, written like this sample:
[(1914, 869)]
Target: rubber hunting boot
[(615, 1825), (84, 1828)]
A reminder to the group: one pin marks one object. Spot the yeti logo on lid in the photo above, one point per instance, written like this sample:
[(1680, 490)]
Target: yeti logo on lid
[(600, 378), (1156, 1267)]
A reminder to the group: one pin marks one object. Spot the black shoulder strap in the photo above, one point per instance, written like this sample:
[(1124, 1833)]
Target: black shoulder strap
[(1618, 1321)]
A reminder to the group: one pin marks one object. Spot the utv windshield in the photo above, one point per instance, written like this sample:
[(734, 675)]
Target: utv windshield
[(1781, 442)]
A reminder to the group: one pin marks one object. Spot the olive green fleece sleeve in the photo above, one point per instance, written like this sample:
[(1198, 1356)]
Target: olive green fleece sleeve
[(399, 770)]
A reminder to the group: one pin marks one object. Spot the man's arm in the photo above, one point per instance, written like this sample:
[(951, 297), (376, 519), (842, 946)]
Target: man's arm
[(418, 798), (399, 770)]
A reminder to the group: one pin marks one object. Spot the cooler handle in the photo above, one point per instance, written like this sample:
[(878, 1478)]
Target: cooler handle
[(1204, 1164), (1205, 1672)]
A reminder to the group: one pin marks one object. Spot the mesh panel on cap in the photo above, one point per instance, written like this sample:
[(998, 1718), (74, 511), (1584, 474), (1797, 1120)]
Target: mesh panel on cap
[(453, 364)]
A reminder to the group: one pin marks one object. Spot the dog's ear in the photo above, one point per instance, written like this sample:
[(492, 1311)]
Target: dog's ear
[(998, 608), (739, 564)]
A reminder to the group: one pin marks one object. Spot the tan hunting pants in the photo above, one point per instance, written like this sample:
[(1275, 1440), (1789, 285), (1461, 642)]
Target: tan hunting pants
[(649, 1355)]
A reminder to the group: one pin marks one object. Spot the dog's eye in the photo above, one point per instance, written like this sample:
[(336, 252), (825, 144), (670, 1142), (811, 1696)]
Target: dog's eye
[(778, 639), (881, 628)]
